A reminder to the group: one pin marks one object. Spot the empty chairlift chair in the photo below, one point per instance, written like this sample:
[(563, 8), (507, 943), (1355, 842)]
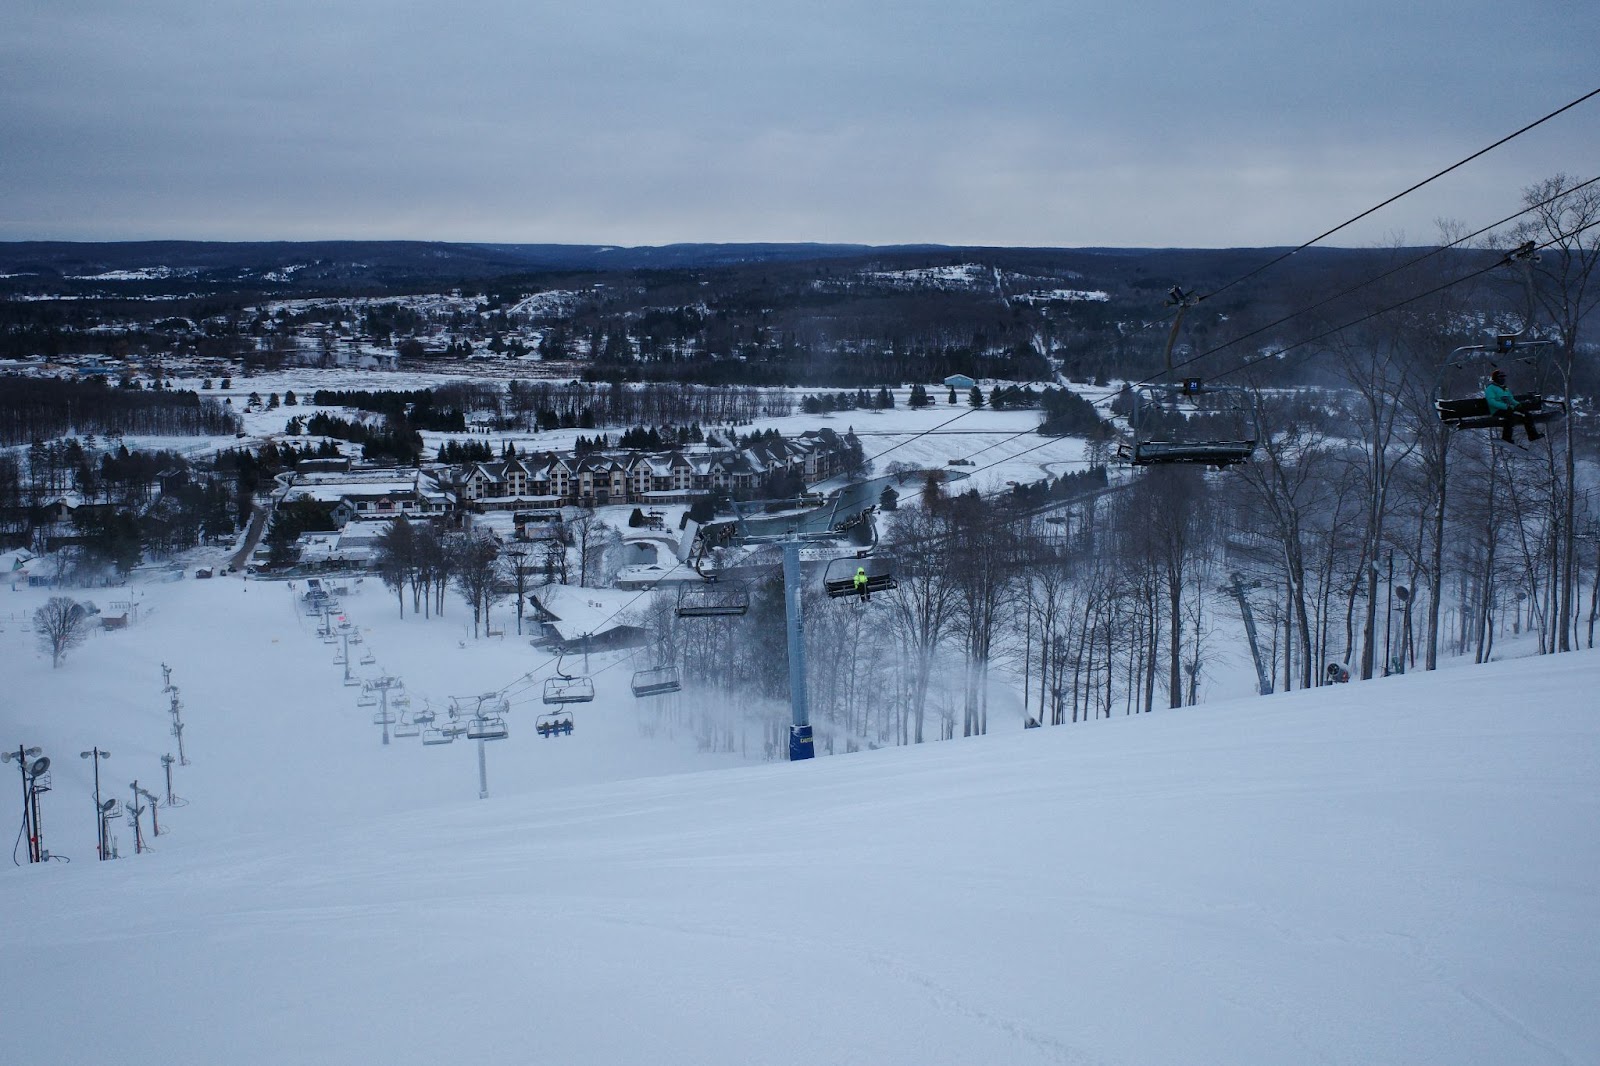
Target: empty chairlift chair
[(839, 579), (564, 688), (1194, 423), (406, 726), (492, 727), (712, 600), (656, 681)]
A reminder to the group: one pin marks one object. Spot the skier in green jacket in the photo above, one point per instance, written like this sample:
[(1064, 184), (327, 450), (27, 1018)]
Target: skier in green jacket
[(1505, 407), (860, 584)]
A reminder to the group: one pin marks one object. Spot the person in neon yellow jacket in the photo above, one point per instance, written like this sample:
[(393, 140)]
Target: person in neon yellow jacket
[(1504, 406)]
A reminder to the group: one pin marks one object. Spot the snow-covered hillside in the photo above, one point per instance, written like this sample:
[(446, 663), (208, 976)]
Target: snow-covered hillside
[(1397, 871)]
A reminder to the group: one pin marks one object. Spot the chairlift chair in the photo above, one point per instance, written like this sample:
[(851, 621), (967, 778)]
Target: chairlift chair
[(366, 699), (383, 718), (1192, 422), (839, 579), (712, 600), (554, 724), (407, 729), (566, 688), (452, 730), (490, 728), (656, 681), (433, 737), (1458, 397), (367, 658)]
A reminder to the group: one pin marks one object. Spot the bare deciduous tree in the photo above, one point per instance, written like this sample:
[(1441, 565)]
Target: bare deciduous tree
[(62, 624)]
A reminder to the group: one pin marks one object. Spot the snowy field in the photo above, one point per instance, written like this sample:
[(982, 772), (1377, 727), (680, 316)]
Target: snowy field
[(1398, 871)]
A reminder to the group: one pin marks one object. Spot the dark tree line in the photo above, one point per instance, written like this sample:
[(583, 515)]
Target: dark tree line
[(421, 408), (395, 441), (33, 408)]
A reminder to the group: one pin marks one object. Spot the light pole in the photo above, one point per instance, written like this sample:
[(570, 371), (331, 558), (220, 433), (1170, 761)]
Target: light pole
[(36, 770), (22, 755), (96, 754), (166, 763)]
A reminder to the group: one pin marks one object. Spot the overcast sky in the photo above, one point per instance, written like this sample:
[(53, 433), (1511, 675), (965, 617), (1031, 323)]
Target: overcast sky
[(1006, 122)]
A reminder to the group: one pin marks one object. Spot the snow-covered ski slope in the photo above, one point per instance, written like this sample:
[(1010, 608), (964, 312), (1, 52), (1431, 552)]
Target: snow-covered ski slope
[(1400, 871)]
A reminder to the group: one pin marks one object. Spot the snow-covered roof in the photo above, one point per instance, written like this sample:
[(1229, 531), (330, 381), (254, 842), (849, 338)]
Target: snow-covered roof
[(15, 559), (580, 610)]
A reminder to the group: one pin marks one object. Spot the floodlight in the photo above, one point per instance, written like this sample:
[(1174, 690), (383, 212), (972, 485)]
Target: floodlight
[(107, 806), (7, 756), (39, 766)]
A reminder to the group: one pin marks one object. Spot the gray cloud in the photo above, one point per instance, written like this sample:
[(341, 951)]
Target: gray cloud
[(1154, 123)]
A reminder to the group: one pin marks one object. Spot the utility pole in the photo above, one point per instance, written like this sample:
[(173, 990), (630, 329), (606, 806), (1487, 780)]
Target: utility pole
[(166, 678), (520, 572), (1388, 621), (166, 763), (96, 754), (1237, 591)]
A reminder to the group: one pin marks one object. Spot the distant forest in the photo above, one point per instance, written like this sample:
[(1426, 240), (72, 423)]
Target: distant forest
[(45, 408), (822, 318)]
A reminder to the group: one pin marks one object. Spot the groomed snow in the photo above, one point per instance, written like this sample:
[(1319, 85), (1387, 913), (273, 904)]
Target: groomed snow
[(1398, 871)]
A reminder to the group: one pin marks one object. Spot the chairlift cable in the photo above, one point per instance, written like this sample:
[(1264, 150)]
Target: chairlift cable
[(1454, 166), (1380, 277), (1408, 300)]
